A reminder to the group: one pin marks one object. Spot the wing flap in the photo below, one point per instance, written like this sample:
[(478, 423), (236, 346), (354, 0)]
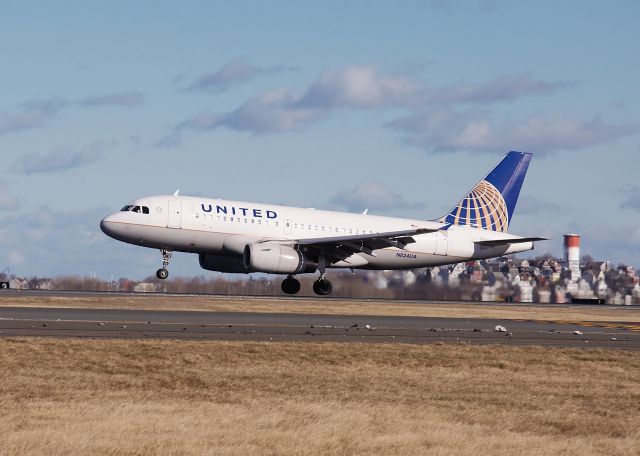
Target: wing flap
[(390, 235)]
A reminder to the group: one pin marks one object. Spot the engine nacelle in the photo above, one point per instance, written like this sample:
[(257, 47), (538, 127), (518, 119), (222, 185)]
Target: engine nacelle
[(276, 259), (222, 263)]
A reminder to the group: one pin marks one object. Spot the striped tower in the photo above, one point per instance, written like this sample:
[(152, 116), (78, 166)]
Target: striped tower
[(572, 254)]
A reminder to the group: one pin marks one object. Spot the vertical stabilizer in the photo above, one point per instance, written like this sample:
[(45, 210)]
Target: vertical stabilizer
[(492, 202)]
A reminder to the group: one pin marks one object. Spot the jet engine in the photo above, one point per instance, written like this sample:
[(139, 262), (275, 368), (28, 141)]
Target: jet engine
[(277, 259), (222, 263)]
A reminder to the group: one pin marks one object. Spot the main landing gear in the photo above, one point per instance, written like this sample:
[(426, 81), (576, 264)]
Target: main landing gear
[(163, 272), (322, 286), (290, 285)]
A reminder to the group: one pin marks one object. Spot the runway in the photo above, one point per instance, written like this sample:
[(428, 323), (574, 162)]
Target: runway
[(150, 324)]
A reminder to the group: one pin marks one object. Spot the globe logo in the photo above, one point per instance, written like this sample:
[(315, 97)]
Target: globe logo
[(484, 207)]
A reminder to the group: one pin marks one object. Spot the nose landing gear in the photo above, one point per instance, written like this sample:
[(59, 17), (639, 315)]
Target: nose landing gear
[(163, 272), (290, 285)]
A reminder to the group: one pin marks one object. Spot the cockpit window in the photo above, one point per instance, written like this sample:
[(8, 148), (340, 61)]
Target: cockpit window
[(137, 209)]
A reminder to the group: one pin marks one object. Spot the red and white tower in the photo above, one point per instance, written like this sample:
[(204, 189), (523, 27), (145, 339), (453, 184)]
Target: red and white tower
[(572, 254)]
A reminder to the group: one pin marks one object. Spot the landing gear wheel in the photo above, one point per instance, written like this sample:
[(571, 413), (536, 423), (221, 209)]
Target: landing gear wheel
[(163, 272), (322, 287), (290, 285)]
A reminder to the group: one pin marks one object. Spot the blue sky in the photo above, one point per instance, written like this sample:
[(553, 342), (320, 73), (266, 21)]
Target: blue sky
[(399, 107)]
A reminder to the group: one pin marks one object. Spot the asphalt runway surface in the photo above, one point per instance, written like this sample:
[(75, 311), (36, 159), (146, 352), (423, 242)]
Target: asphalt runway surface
[(150, 324)]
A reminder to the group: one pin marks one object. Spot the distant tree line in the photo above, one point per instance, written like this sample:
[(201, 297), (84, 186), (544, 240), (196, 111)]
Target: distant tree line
[(344, 285)]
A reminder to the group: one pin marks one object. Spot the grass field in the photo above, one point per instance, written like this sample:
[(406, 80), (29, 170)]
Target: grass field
[(323, 306), (236, 398)]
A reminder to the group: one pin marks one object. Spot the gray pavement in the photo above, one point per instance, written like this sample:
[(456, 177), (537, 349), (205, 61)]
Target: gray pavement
[(143, 324)]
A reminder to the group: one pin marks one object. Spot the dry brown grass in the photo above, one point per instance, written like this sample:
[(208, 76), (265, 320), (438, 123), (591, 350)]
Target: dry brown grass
[(323, 306), (236, 398)]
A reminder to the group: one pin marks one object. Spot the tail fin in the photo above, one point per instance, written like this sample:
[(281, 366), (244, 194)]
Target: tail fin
[(491, 203)]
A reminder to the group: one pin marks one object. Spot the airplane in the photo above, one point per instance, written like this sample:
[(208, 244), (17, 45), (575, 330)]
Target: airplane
[(242, 237)]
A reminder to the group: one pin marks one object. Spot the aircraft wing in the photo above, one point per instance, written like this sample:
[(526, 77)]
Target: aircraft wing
[(498, 242), (340, 247)]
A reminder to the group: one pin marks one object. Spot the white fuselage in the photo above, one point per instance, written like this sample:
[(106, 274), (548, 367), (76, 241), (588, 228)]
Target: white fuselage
[(223, 227)]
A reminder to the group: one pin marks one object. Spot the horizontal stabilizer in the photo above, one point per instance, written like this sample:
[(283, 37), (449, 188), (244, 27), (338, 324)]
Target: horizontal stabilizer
[(498, 242)]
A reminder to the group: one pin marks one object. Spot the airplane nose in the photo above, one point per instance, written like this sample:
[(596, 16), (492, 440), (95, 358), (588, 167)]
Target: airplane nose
[(109, 226), (106, 226)]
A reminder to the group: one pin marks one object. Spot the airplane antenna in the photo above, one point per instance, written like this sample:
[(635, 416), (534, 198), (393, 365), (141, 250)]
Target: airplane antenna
[(177, 192), (365, 211)]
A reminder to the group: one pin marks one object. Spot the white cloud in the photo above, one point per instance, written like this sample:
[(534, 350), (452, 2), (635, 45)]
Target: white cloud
[(633, 200), (32, 114), (37, 113), (363, 87), (63, 158), (15, 259), (351, 87), (120, 99), (7, 201), (70, 241), (451, 130), (611, 242), (232, 73), (501, 88), (373, 196), (274, 111), (532, 205)]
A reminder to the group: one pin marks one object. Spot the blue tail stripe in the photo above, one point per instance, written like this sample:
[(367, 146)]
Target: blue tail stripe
[(508, 177)]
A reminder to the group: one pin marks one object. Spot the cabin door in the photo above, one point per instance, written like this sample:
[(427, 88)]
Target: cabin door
[(442, 242), (174, 219)]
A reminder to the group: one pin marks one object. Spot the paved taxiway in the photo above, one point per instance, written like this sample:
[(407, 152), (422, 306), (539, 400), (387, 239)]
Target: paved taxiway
[(115, 323)]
